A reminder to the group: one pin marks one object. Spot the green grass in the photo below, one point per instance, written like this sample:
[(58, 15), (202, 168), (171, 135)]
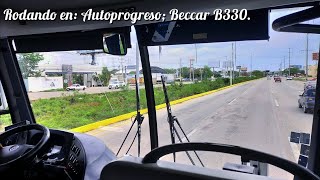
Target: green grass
[(5, 120), (80, 109), (54, 90)]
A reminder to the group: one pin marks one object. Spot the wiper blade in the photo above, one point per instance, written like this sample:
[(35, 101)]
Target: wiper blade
[(139, 119), (171, 120)]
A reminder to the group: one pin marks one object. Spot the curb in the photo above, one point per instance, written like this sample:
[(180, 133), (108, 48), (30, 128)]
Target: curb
[(106, 122)]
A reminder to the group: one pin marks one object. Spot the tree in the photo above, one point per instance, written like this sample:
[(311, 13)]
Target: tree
[(105, 76), (28, 63), (185, 73), (206, 72), (257, 73), (170, 71), (77, 79), (217, 74), (292, 71)]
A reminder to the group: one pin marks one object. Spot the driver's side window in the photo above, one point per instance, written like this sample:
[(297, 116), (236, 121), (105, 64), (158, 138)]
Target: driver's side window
[(5, 118)]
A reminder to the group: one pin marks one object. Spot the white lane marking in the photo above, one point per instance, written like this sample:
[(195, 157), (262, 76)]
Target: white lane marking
[(232, 101), (189, 135), (276, 102), (295, 150)]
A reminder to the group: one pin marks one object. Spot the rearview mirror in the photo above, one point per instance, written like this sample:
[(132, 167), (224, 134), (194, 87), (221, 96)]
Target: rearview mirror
[(114, 44)]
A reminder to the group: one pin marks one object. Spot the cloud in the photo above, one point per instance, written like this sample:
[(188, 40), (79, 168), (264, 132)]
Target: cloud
[(265, 54)]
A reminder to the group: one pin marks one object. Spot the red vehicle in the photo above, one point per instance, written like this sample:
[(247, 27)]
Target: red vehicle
[(277, 79)]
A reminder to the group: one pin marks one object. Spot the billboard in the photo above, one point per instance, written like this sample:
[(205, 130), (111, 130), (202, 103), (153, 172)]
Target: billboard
[(296, 66), (244, 69)]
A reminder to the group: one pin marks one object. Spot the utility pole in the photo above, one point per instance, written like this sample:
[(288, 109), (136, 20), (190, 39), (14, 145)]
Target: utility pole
[(289, 62), (235, 54), (232, 69), (284, 63), (190, 70), (251, 65), (125, 74), (201, 73), (180, 71), (195, 45), (307, 51), (121, 62)]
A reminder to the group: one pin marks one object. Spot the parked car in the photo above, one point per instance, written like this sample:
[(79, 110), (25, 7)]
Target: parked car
[(277, 79), (289, 77), (307, 100), (310, 84), (76, 87), (99, 84), (116, 84)]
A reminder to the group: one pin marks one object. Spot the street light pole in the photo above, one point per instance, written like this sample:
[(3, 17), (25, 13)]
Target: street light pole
[(251, 65), (235, 54), (231, 63), (180, 71), (289, 62)]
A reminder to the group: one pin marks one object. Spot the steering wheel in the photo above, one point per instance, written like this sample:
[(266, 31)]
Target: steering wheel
[(246, 155), (13, 154)]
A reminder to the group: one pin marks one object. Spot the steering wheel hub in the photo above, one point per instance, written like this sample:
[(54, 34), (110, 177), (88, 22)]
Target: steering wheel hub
[(20, 154)]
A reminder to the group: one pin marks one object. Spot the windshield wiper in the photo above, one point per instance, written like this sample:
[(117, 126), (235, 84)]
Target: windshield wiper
[(139, 118), (173, 131)]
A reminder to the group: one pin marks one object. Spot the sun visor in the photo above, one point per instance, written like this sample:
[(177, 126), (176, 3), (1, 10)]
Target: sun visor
[(206, 31), (67, 41)]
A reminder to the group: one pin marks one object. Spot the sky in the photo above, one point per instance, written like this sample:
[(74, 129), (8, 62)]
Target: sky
[(266, 55)]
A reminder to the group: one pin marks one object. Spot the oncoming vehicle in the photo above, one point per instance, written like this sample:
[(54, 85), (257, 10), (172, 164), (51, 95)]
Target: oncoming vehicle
[(116, 84), (75, 87), (29, 150), (307, 100)]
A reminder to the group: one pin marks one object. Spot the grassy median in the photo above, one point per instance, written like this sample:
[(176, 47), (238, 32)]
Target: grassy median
[(79, 109)]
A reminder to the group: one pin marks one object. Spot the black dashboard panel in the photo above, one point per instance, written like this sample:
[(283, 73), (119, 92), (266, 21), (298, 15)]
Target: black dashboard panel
[(64, 157), (76, 164)]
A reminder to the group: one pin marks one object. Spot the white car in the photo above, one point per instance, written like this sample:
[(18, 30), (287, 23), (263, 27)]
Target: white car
[(76, 87), (116, 84), (289, 78)]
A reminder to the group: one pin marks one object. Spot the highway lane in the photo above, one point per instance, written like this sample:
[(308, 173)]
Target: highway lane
[(258, 115)]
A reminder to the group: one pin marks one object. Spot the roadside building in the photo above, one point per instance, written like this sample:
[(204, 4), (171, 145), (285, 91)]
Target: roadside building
[(312, 70), (70, 72)]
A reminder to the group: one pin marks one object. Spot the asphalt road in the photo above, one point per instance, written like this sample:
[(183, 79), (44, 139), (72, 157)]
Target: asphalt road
[(259, 115)]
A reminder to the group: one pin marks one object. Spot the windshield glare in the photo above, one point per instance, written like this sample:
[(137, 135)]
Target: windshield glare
[(255, 112)]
